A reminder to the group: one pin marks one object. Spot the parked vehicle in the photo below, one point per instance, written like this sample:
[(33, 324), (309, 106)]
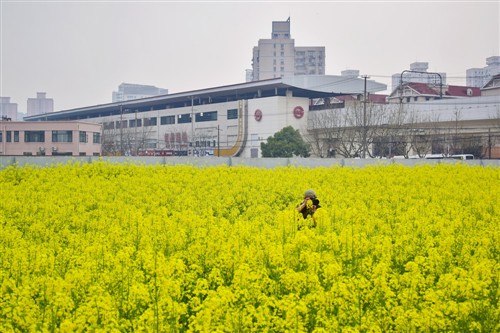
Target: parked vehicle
[(463, 157)]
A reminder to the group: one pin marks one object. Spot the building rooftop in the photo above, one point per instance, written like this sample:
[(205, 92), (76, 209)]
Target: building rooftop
[(310, 86)]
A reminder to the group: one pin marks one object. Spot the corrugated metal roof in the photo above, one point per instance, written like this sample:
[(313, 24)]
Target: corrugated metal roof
[(311, 86)]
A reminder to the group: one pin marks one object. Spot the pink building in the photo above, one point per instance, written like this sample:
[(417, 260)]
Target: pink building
[(72, 138)]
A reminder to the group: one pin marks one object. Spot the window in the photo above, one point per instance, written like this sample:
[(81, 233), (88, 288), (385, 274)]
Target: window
[(62, 136), (167, 120), (34, 136), (16, 136), (183, 118), (83, 137), (123, 124), (109, 125), (96, 137), (150, 121), (9, 136), (206, 116), (134, 123), (232, 114), (1, 136)]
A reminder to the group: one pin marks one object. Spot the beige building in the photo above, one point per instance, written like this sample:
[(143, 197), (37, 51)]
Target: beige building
[(41, 138), (279, 57)]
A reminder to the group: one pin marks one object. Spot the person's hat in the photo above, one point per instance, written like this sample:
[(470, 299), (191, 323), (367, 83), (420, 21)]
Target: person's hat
[(309, 193)]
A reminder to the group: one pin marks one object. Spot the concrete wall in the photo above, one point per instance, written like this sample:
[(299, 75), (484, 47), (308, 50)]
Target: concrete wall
[(47, 161)]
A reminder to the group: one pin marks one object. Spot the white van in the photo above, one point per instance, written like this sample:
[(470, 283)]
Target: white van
[(463, 157)]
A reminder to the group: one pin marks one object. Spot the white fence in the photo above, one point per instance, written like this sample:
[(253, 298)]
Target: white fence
[(47, 161)]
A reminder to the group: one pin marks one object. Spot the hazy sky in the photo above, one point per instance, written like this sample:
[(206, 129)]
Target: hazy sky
[(78, 52)]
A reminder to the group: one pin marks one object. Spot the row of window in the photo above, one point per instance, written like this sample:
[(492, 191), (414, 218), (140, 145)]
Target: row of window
[(57, 136), (169, 120)]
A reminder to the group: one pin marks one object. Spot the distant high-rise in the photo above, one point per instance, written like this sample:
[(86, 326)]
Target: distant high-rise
[(353, 73), (39, 105), (478, 77), (418, 74), (8, 110), (279, 57), (129, 91)]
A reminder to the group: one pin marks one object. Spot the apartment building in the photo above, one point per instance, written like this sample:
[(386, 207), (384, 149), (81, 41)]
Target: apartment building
[(40, 105), (478, 77), (418, 74), (279, 57), (130, 91), (8, 110)]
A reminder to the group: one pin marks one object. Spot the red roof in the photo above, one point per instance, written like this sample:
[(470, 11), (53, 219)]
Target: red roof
[(461, 91), (377, 98), (422, 88)]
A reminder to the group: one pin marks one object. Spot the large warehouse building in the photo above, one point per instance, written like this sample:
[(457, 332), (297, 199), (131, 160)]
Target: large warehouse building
[(224, 121)]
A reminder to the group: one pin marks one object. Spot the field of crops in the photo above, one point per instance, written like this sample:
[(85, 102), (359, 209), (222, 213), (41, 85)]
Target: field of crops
[(125, 248)]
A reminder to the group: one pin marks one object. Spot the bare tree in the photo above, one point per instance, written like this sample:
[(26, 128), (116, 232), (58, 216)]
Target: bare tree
[(348, 131), (119, 138)]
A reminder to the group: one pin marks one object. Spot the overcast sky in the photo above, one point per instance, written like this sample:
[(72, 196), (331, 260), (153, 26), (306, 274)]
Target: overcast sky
[(79, 52)]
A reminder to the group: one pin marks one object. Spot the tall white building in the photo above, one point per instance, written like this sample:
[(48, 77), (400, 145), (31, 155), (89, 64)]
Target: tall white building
[(418, 74), (39, 105), (478, 77), (8, 110), (129, 91), (279, 57)]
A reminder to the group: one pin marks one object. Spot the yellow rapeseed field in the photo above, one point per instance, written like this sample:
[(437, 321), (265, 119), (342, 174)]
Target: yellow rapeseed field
[(128, 248)]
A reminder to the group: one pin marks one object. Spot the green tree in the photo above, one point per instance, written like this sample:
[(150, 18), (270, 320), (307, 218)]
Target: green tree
[(285, 143)]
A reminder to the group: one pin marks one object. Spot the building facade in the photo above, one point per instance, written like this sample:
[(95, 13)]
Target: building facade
[(8, 110), (234, 120), (129, 91), (412, 92), (478, 77), (40, 105), (40, 138), (279, 57), (492, 88), (223, 121)]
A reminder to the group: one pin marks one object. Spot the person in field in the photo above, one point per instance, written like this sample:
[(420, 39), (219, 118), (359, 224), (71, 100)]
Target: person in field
[(308, 207)]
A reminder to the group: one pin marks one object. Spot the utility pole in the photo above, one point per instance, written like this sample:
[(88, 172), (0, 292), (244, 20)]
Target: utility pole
[(364, 119), (121, 130), (218, 141), (489, 143), (192, 124)]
